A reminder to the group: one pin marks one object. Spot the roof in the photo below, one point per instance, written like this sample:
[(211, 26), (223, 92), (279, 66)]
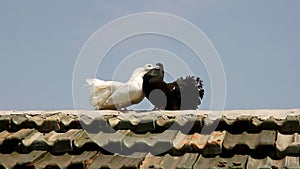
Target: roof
[(157, 139)]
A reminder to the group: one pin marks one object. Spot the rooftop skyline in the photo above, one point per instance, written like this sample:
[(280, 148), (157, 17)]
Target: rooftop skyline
[(257, 42)]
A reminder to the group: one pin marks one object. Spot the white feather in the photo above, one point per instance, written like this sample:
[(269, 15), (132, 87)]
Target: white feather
[(114, 95)]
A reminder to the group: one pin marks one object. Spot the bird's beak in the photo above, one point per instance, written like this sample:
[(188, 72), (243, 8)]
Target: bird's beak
[(157, 67)]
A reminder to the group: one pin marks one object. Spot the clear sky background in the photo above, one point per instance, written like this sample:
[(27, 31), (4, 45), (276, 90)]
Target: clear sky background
[(257, 41)]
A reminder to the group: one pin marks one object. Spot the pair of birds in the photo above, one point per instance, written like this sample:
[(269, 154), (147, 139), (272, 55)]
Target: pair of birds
[(147, 81)]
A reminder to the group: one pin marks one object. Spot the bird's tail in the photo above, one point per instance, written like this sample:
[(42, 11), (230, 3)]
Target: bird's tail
[(99, 89), (191, 90), (94, 82), (199, 83)]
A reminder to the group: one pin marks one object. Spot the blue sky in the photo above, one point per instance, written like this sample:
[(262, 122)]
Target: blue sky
[(257, 41)]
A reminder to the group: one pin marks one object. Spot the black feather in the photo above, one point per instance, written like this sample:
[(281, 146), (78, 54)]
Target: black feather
[(182, 94)]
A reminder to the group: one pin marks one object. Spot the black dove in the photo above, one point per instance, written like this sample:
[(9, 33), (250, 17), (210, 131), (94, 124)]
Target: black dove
[(182, 94)]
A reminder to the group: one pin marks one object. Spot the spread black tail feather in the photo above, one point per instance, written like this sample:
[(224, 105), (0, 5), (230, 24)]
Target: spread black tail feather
[(190, 90)]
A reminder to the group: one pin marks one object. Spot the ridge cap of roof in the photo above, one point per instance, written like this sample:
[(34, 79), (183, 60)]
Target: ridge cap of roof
[(211, 114)]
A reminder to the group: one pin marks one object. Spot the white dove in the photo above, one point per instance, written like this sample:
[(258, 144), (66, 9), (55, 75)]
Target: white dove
[(117, 95)]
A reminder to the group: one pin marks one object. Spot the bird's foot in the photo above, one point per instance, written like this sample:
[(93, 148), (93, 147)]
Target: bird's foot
[(123, 110), (155, 108)]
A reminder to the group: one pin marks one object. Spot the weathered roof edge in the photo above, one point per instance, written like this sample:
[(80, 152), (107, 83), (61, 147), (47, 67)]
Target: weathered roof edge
[(211, 114)]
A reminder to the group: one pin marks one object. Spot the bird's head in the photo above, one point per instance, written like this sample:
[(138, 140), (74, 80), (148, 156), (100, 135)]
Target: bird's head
[(161, 70), (141, 71), (160, 66), (157, 72), (148, 67)]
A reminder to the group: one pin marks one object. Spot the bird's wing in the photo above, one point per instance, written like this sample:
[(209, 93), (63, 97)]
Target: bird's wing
[(101, 90), (125, 95), (157, 91)]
